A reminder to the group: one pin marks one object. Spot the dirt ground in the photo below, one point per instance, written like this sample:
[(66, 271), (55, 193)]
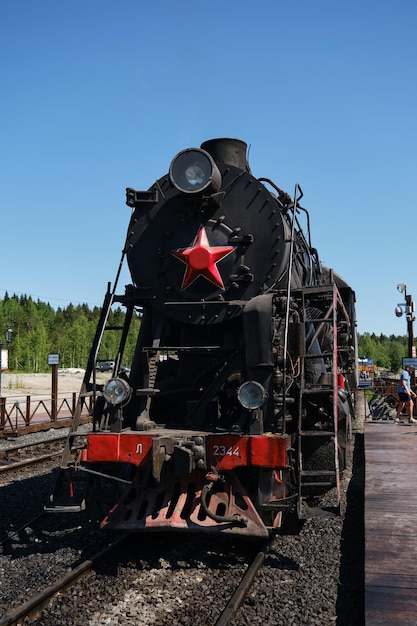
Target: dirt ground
[(40, 384)]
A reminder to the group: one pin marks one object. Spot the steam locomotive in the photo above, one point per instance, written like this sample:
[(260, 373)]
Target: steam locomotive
[(238, 401)]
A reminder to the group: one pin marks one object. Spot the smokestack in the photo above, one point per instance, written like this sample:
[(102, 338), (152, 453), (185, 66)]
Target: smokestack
[(228, 151)]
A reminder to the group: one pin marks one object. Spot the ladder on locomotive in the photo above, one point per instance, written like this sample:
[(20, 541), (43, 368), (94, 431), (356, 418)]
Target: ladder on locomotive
[(324, 299), (61, 500)]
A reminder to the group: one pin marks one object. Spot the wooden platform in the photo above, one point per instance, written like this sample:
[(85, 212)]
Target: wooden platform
[(390, 523)]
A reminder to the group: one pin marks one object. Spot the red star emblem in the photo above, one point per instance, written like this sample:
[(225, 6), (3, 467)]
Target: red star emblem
[(201, 260)]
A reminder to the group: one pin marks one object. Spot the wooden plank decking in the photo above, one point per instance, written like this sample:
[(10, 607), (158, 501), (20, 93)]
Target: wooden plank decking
[(390, 524)]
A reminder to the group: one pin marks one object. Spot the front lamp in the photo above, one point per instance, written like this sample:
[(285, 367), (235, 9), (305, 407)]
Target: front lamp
[(194, 171), (251, 395), (117, 391)]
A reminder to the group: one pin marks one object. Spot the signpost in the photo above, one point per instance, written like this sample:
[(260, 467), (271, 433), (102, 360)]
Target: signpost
[(410, 361), (4, 354), (53, 359)]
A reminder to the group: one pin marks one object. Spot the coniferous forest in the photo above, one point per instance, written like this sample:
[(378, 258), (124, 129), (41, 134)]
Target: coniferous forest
[(40, 330)]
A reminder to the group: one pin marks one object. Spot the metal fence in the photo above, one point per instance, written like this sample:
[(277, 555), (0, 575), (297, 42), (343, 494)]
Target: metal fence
[(25, 414)]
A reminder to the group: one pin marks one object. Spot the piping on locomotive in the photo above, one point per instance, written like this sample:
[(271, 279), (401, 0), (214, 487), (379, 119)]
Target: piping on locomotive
[(239, 399)]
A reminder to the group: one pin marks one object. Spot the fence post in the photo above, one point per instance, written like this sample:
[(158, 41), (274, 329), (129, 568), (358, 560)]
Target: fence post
[(54, 399), (28, 415), (2, 412)]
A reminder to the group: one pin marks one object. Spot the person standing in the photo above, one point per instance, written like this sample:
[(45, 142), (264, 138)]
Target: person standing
[(405, 394)]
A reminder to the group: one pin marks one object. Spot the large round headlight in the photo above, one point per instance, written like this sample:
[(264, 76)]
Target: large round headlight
[(194, 171), (117, 391), (251, 395)]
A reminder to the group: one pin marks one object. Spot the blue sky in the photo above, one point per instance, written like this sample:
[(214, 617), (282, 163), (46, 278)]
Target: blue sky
[(98, 96)]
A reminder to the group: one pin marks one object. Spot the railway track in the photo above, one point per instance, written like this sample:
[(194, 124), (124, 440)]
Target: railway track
[(166, 581), (237, 598), (33, 606), (23, 455)]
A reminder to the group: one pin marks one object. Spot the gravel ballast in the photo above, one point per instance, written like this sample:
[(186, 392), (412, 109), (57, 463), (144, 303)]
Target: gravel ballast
[(313, 577)]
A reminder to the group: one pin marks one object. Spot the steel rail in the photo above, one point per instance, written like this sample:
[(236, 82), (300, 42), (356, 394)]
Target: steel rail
[(26, 462), (11, 465), (32, 608), (239, 595)]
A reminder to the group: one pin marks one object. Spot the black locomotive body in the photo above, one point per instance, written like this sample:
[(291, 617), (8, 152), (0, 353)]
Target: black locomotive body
[(238, 401)]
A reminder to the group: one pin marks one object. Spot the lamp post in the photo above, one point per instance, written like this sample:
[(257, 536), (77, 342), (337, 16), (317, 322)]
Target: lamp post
[(407, 307), (8, 334)]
